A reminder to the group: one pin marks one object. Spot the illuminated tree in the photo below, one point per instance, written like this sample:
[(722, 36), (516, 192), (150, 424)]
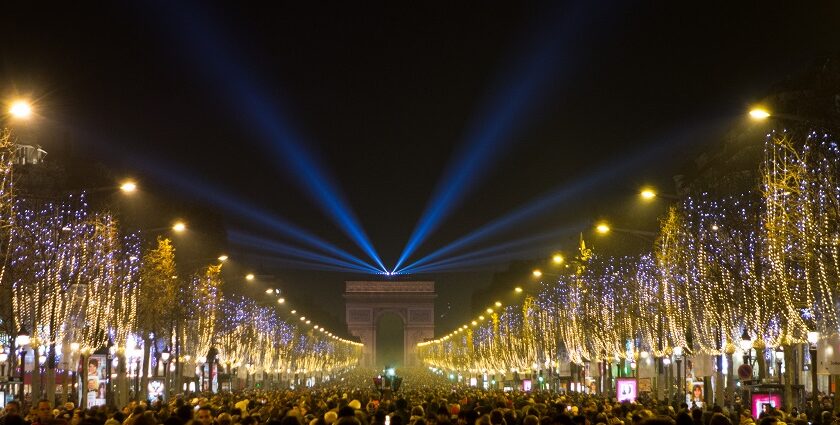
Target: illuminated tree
[(156, 299)]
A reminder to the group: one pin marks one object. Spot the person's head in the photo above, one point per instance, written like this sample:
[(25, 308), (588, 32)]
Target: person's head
[(698, 391), (93, 365), (12, 408), (44, 411), (204, 416), (720, 419)]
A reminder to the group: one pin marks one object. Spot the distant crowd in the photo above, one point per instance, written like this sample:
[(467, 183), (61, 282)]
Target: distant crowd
[(423, 399)]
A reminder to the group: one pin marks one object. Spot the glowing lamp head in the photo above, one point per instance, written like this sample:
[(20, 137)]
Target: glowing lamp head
[(602, 228), (20, 109), (678, 351), (128, 186), (74, 347), (269, 291), (518, 290), (759, 114), (746, 341), (558, 259), (179, 227), (813, 337), (22, 338), (222, 258), (249, 276), (164, 356), (647, 194), (281, 300), (536, 273), (498, 303), (489, 311)]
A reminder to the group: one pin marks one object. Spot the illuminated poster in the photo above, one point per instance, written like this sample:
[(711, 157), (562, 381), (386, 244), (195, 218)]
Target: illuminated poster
[(96, 380), (761, 402), (626, 389), (155, 388), (696, 397)]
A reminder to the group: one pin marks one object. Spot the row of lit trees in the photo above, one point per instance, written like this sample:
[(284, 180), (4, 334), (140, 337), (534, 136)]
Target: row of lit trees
[(71, 284), (763, 264)]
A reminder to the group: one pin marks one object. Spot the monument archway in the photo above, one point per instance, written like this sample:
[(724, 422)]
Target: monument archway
[(367, 302)]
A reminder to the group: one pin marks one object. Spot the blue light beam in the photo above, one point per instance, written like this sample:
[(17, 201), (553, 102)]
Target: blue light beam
[(226, 70), (506, 112), (228, 203), (614, 169), (246, 240), (506, 247)]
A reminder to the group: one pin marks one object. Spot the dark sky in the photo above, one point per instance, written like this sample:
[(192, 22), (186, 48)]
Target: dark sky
[(597, 97)]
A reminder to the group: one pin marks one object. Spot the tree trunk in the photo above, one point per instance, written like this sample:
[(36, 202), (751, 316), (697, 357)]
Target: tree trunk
[(83, 385), (719, 387), (790, 367), (36, 376), (144, 377), (762, 364), (730, 377), (121, 387)]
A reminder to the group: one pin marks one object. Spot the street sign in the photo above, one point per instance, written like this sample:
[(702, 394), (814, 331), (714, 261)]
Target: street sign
[(745, 372)]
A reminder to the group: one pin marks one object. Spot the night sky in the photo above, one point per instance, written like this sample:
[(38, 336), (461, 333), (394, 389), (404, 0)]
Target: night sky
[(198, 101)]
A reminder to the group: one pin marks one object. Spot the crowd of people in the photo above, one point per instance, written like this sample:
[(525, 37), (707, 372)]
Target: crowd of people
[(423, 399)]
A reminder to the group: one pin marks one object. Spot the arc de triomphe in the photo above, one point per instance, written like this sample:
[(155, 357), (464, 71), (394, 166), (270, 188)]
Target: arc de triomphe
[(413, 301)]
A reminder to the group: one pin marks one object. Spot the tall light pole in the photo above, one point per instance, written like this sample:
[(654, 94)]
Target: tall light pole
[(21, 341), (164, 356), (780, 356), (678, 354), (813, 338)]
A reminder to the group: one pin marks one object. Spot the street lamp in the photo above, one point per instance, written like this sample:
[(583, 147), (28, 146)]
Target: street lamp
[(22, 340), (128, 186), (813, 338), (164, 356), (649, 194), (604, 228), (558, 259), (780, 356), (678, 354), (179, 227), (20, 109), (759, 114)]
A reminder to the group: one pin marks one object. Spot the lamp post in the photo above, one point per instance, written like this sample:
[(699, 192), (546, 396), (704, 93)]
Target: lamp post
[(4, 357), (678, 354), (164, 356), (746, 347), (138, 358), (666, 361), (813, 338), (21, 341), (201, 360), (780, 356)]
